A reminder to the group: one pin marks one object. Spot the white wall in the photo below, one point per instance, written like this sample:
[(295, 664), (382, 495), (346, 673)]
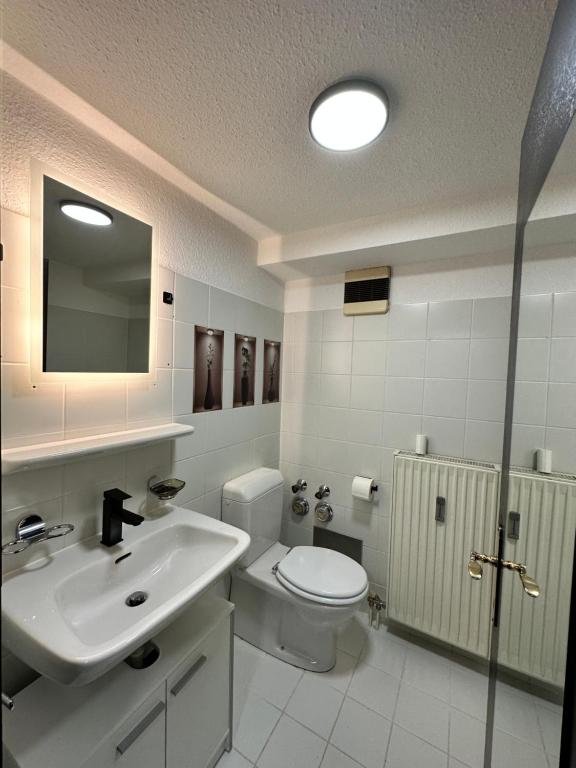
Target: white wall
[(228, 292), (356, 389)]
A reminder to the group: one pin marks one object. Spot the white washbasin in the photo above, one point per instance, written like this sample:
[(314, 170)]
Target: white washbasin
[(67, 617)]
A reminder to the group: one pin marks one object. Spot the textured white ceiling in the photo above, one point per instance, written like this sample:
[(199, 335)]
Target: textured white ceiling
[(221, 88)]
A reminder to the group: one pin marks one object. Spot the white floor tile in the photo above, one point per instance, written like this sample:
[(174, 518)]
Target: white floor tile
[(515, 714), (255, 722), (233, 760), (551, 728), (428, 671), (354, 635), (275, 680), (408, 751), (340, 675), (469, 691), (333, 758), (315, 705), (423, 715), (292, 746), (386, 652), (361, 734), (509, 752), (453, 763), (375, 689), (466, 739)]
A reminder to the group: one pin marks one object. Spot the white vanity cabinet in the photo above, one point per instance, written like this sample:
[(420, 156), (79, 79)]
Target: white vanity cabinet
[(174, 714), (139, 742)]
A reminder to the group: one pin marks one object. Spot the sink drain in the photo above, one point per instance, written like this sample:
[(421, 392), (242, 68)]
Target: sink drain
[(136, 598)]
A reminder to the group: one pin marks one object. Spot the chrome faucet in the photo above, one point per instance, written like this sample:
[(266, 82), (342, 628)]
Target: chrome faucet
[(114, 514)]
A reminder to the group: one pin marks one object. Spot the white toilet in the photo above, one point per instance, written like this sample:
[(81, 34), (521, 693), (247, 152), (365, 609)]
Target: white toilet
[(289, 602)]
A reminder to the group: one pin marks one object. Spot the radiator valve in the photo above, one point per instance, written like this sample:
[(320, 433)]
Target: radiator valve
[(375, 606)]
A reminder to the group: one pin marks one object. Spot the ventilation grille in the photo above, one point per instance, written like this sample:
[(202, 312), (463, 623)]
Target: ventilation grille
[(366, 291)]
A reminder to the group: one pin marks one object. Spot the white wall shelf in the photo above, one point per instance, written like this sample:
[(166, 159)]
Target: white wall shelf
[(74, 449)]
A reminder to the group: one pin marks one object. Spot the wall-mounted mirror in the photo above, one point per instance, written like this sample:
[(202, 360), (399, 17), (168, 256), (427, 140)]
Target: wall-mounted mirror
[(96, 284)]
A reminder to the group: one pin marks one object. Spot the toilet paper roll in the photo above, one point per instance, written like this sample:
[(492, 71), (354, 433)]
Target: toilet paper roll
[(363, 488), (421, 445), (544, 461)]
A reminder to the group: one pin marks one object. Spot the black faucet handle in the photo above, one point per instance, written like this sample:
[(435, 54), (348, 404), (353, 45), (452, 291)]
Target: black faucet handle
[(115, 494)]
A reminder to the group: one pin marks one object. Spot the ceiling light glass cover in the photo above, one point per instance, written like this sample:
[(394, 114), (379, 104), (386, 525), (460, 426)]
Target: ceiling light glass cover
[(87, 214), (349, 115)]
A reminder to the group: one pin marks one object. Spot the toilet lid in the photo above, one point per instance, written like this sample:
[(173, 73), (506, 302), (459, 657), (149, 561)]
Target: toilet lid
[(322, 572)]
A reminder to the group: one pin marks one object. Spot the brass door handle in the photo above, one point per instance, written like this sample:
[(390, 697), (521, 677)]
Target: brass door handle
[(529, 585)]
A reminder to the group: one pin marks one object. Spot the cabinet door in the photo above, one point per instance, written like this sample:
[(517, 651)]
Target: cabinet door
[(198, 701), (140, 742)]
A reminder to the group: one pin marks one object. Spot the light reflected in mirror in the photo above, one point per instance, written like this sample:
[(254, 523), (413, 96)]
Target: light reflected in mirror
[(97, 264)]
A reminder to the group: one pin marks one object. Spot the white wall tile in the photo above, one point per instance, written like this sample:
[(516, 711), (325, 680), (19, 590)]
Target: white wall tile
[(371, 327), (562, 405), (307, 358), (532, 359), (535, 316), (192, 471), (100, 405), (564, 314), (148, 401), (222, 310), (404, 395), (364, 427), (183, 384), (408, 321), (486, 400), (483, 440), (399, 430), (563, 359), (445, 397), (445, 435), (165, 343), (449, 319), (488, 358), (447, 359), (491, 318), (530, 403), (190, 300), (335, 390), (27, 410), (15, 326), (369, 358), (24, 489), (337, 326), (336, 357), (165, 283), (525, 441), (562, 443), (368, 392), (183, 345), (406, 358)]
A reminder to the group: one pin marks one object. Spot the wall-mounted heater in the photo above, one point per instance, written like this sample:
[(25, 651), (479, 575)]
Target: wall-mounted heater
[(367, 291)]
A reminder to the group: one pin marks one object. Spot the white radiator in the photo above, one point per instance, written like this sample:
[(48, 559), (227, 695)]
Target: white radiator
[(534, 632), (430, 589), (429, 586)]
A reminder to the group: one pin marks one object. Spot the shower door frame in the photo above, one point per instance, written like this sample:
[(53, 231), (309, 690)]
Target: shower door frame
[(550, 116)]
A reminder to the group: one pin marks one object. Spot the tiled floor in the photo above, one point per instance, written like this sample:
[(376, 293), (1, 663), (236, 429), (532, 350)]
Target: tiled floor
[(388, 703)]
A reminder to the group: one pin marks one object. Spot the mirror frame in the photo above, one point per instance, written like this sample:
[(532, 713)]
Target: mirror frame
[(37, 172)]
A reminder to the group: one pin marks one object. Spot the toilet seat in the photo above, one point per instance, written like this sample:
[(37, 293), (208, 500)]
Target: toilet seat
[(322, 576)]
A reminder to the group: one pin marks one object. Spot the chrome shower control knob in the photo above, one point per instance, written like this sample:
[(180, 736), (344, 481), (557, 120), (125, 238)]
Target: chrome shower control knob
[(324, 512), (299, 485), (300, 506), (322, 491)]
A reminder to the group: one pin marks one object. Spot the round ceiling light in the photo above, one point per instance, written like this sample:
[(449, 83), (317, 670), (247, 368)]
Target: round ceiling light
[(87, 214), (349, 115)]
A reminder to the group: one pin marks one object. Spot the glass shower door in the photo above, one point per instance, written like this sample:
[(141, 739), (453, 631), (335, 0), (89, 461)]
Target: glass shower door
[(530, 708)]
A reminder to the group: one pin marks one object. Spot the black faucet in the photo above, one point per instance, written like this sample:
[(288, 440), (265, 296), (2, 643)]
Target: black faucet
[(114, 514)]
